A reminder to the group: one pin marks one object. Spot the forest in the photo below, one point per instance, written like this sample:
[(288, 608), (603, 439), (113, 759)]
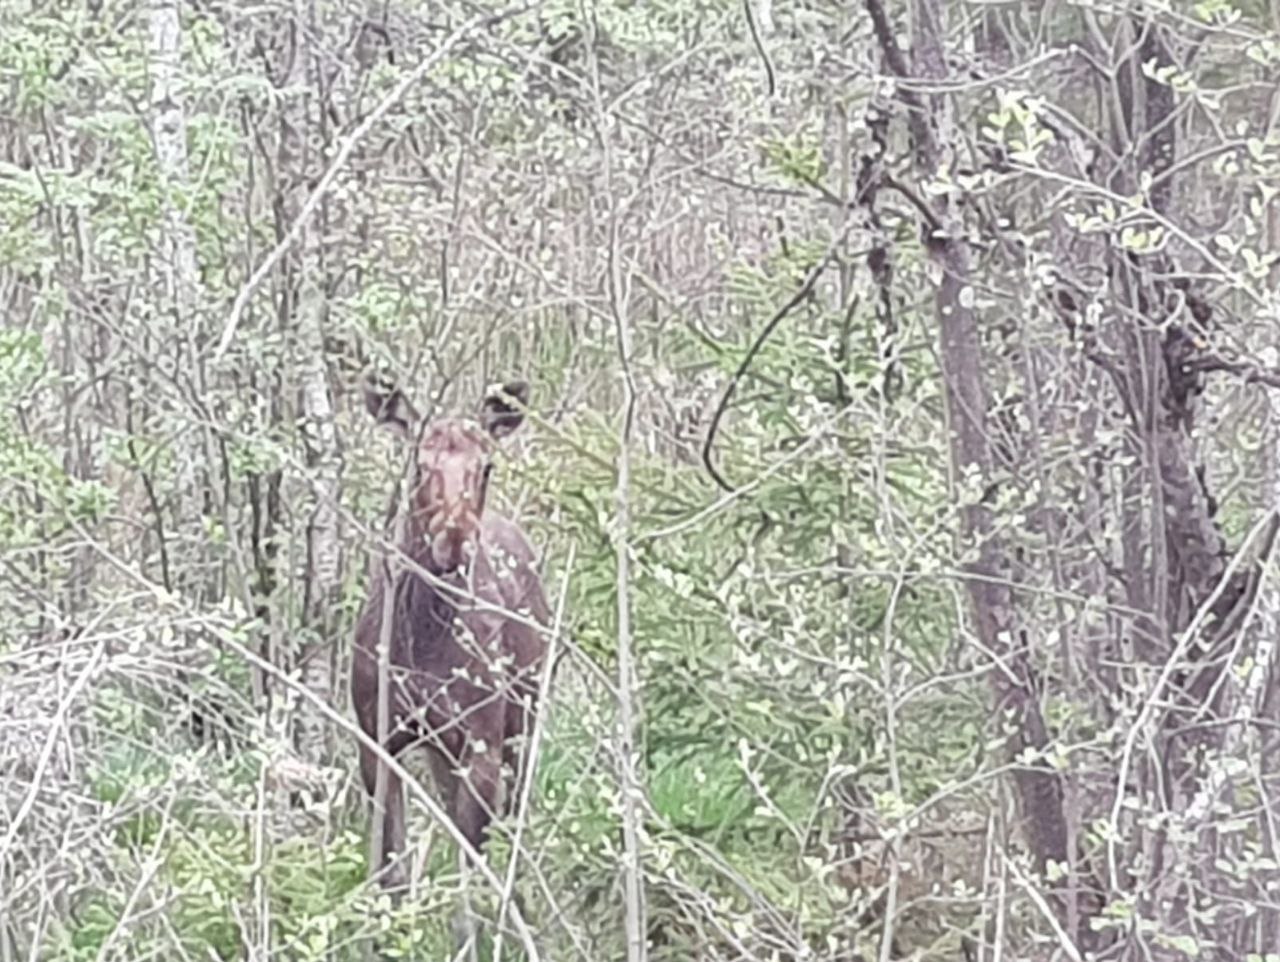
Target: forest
[(806, 474)]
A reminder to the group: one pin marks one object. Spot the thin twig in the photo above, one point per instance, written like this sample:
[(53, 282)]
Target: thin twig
[(1064, 940), (530, 764), (51, 741), (382, 724), (632, 876)]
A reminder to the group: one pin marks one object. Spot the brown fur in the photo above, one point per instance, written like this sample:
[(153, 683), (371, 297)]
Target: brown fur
[(464, 675)]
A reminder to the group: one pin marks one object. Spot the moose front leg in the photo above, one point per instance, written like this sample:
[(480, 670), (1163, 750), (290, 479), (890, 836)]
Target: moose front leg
[(478, 794), (389, 819), (516, 751), (478, 791)]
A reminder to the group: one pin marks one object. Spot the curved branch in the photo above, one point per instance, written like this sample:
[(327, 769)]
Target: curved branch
[(759, 42), (801, 293)]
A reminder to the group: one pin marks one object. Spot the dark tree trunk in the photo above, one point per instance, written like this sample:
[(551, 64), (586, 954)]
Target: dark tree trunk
[(1014, 686)]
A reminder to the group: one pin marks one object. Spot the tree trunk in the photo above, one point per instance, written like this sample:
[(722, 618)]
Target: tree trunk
[(1012, 679), (323, 547), (324, 573), (177, 253)]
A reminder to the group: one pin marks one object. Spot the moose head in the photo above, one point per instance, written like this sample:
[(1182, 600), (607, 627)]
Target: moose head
[(453, 461)]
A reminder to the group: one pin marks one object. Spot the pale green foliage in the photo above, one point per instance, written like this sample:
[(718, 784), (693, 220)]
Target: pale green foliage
[(813, 708)]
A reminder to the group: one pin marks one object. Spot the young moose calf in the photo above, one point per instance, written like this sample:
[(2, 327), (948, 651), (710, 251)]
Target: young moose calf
[(465, 644)]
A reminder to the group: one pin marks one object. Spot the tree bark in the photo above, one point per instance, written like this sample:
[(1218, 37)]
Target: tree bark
[(177, 254), (1013, 682), (323, 547), (324, 556), (176, 249)]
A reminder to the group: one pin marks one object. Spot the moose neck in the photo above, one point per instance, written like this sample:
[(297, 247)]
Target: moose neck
[(427, 607)]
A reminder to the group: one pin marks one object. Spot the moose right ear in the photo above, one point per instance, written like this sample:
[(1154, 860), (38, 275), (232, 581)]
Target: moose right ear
[(499, 415), (388, 405)]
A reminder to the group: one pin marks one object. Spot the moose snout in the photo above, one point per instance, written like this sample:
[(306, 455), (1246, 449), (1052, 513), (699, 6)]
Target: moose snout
[(449, 536)]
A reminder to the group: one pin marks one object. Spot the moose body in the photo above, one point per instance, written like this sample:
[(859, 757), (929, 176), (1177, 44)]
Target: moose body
[(466, 632)]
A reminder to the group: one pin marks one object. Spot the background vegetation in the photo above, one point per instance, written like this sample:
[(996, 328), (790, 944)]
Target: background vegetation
[(939, 341)]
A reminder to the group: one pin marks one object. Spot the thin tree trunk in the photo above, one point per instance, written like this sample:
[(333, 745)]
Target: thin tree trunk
[(323, 547), (177, 265), (195, 458), (1012, 679), (177, 254), (636, 925)]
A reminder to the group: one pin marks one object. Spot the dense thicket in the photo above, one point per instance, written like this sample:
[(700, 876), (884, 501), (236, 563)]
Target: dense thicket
[(939, 341)]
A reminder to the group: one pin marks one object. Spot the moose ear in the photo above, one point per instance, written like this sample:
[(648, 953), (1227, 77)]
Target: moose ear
[(503, 409), (389, 406)]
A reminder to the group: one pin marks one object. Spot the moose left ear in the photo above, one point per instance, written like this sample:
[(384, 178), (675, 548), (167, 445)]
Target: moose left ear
[(503, 409), (388, 405)]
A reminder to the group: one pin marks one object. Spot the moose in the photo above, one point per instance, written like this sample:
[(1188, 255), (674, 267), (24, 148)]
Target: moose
[(467, 631)]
